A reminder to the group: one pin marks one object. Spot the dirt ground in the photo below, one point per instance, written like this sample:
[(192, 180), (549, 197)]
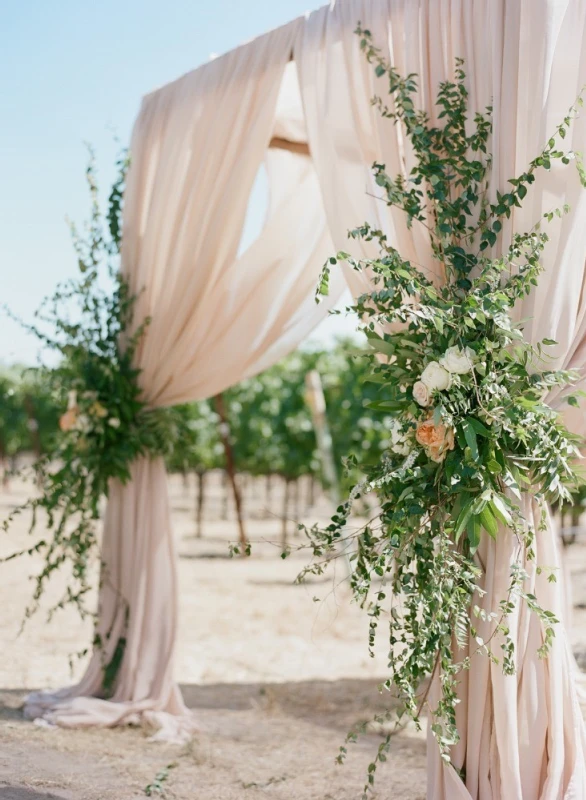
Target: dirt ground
[(276, 679)]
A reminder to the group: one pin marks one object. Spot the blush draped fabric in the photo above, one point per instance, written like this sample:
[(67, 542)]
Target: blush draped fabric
[(218, 317), (523, 736)]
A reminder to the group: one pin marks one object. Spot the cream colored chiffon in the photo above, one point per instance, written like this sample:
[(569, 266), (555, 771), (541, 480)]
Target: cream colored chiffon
[(522, 736), (216, 318)]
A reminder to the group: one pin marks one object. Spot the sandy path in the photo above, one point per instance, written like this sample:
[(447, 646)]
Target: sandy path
[(276, 680)]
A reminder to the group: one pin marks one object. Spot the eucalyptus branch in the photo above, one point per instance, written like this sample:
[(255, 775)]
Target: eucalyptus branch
[(469, 431)]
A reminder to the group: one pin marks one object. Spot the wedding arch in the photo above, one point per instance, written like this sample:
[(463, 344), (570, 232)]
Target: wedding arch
[(298, 98)]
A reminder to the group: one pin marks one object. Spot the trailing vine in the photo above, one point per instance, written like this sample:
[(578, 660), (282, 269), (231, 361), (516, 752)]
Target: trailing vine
[(471, 434), (104, 423)]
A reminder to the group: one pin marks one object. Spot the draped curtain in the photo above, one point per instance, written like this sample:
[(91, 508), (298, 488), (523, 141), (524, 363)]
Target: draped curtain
[(217, 317), (522, 736)]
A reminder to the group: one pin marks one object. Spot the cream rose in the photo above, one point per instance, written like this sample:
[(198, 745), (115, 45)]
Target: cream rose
[(421, 393), (434, 376), (458, 361)]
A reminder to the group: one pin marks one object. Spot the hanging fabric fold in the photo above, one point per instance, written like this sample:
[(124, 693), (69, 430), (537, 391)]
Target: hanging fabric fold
[(216, 318), (522, 736)]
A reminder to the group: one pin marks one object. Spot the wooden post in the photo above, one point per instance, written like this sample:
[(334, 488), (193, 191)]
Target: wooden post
[(199, 510), (268, 495), (3, 464), (224, 497), (311, 493), (284, 519), (317, 403), (33, 427), (296, 498), (230, 468)]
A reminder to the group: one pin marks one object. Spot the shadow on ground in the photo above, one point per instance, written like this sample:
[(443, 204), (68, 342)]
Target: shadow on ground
[(20, 793), (337, 705), (11, 702), (266, 738), (332, 704)]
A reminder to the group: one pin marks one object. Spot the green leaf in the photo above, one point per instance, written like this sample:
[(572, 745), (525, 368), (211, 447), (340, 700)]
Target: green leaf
[(479, 428), (463, 518), (473, 530), (385, 405), (382, 346), (488, 521), (498, 506), (470, 436)]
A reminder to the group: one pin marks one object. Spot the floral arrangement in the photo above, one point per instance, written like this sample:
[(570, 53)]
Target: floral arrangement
[(85, 415), (472, 432), (105, 424)]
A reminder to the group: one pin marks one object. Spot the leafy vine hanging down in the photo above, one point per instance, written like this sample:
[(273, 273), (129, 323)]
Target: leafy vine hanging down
[(105, 424), (471, 431)]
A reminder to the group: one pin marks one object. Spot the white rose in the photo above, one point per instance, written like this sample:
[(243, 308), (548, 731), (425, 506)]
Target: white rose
[(114, 422), (458, 361), (435, 376), (421, 393)]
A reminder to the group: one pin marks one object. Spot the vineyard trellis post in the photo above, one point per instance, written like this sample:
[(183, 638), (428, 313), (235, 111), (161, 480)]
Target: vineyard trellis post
[(230, 467), (317, 403)]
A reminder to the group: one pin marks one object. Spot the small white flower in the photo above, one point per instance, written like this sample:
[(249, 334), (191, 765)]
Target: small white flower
[(82, 423), (398, 443), (421, 393), (114, 422), (71, 399), (458, 361), (435, 377)]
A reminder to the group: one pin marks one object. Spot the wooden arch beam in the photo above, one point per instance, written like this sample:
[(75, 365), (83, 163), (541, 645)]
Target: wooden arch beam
[(300, 148)]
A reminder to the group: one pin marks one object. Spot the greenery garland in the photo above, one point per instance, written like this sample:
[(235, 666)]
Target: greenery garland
[(471, 432), (105, 424)]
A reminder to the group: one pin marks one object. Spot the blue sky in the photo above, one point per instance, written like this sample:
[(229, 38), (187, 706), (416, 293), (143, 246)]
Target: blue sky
[(73, 71)]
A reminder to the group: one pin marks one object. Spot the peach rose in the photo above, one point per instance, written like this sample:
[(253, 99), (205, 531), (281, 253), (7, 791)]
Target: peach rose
[(436, 439), (68, 420)]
